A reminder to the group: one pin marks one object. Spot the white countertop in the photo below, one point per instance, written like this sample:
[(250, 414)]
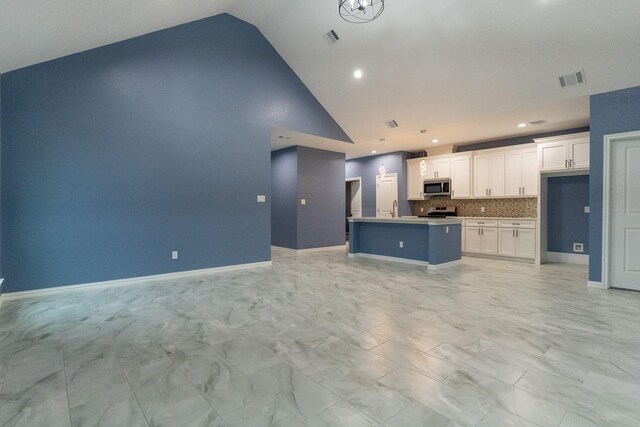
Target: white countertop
[(410, 220), (502, 218)]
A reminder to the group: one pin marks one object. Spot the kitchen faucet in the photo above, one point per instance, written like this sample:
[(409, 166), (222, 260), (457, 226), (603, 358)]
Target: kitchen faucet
[(394, 207)]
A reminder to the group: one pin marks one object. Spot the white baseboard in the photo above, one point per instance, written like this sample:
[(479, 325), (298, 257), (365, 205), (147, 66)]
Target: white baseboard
[(129, 281), (324, 248), (390, 258), (596, 285), (568, 258), (444, 265)]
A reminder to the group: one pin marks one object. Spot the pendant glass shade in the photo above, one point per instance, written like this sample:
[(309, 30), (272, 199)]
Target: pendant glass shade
[(360, 11), (381, 170)]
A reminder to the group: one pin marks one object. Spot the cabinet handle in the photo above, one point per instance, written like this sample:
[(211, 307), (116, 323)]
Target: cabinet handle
[(490, 191), (517, 233), (571, 164), (482, 231), (478, 231), (566, 164), (513, 233)]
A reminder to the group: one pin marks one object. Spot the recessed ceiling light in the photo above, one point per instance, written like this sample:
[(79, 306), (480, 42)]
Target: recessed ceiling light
[(522, 125), (435, 141), (374, 152), (357, 74)]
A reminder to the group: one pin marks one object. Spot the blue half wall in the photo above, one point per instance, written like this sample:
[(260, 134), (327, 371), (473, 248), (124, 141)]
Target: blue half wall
[(611, 113), (567, 223), (114, 157)]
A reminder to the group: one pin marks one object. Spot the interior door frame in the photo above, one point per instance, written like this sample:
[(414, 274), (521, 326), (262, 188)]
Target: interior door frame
[(395, 175), (609, 140), (359, 180)]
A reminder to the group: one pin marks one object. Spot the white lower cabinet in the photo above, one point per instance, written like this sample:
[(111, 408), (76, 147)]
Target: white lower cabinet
[(481, 237), (517, 239), (506, 238)]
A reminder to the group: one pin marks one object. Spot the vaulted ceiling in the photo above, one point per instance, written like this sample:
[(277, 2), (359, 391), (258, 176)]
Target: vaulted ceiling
[(467, 71)]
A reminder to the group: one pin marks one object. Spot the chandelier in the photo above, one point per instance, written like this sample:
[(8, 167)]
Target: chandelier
[(360, 11)]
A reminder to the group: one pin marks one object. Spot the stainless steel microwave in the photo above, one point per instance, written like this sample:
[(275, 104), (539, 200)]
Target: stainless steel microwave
[(437, 187)]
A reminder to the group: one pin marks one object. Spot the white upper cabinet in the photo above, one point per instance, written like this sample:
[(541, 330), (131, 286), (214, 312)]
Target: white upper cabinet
[(438, 167), (521, 172), (415, 179), (460, 177), (489, 174), (565, 152)]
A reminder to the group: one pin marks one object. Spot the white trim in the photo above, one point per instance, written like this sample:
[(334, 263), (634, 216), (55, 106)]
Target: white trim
[(324, 248), (568, 258), (389, 258), (130, 281), (606, 201), (445, 264), (596, 285)]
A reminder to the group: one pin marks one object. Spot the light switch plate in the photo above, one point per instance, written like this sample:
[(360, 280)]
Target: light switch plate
[(586, 209), (303, 201), (262, 198), (578, 247)]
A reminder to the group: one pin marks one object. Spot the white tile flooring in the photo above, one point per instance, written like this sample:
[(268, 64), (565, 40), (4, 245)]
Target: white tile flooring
[(322, 340)]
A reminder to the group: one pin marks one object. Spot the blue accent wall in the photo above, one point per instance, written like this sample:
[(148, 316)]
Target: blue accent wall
[(114, 157), (445, 246), (321, 181), (566, 221), (318, 177), (367, 169), (611, 113), (284, 197)]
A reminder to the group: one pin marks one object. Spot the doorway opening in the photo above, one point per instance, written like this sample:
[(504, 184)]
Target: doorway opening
[(353, 203)]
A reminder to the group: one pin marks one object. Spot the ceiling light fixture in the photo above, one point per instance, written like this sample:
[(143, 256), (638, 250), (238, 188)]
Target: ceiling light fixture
[(522, 125), (357, 74), (373, 152), (423, 164), (435, 141), (360, 11), (381, 170)]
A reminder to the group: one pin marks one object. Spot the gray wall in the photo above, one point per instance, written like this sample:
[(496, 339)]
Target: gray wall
[(114, 157), (284, 198), (321, 181), (367, 169), (611, 113)]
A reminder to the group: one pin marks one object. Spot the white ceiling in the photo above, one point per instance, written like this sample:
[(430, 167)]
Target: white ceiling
[(467, 71)]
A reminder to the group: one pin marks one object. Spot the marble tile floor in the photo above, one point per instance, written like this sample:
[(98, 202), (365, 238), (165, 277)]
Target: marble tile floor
[(322, 340)]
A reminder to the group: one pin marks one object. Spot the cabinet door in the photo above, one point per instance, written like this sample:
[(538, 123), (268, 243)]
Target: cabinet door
[(513, 173), (506, 242), (579, 154), (414, 180), (460, 177), (473, 241), (432, 169), (496, 175), (481, 176), (530, 174), (553, 156), (489, 241), (526, 243), (443, 168)]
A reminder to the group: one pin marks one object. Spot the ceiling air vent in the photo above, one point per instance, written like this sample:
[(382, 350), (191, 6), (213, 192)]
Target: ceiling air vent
[(538, 123), (572, 79), (391, 124), (332, 36)]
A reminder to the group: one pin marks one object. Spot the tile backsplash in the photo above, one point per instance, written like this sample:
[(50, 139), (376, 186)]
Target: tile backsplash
[(508, 208)]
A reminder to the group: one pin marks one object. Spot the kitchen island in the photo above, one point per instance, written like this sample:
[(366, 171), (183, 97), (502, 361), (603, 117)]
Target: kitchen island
[(432, 242)]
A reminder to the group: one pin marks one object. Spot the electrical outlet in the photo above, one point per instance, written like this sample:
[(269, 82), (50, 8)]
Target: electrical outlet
[(303, 201), (174, 254), (262, 198), (421, 210), (402, 244), (578, 247), (482, 209), (586, 209)]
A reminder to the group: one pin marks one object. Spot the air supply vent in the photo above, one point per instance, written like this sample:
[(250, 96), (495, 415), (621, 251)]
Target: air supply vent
[(391, 124), (332, 36), (538, 123), (572, 79)]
